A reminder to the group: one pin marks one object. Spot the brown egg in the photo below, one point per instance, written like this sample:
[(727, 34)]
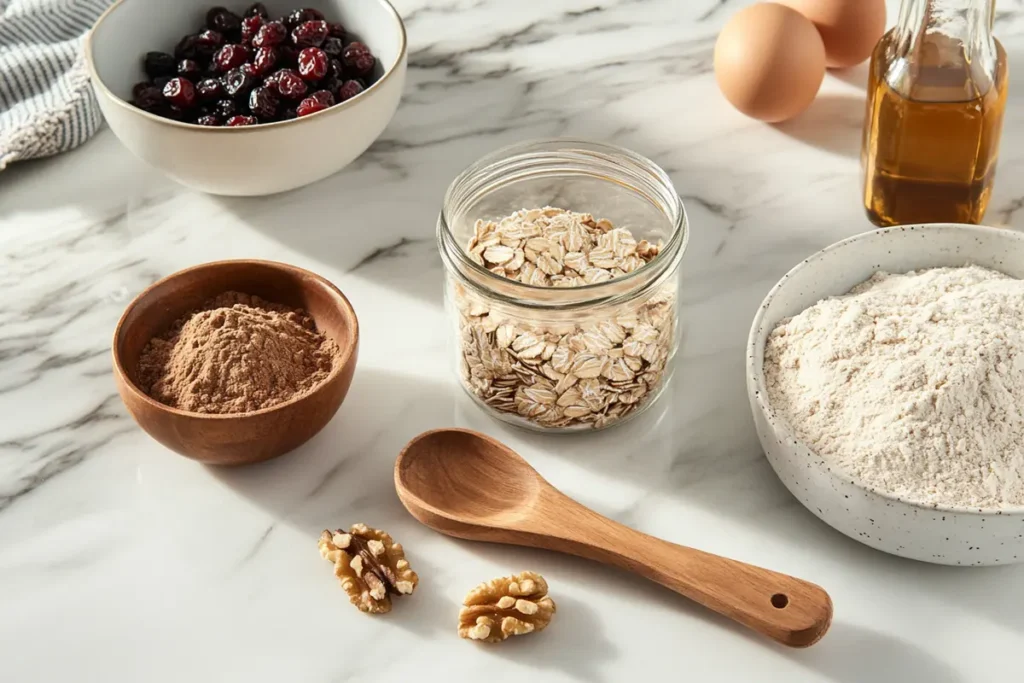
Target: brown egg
[(850, 28), (769, 62)]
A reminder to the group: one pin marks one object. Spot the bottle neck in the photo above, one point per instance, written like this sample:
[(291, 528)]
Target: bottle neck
[(965, 20), (942, 46)]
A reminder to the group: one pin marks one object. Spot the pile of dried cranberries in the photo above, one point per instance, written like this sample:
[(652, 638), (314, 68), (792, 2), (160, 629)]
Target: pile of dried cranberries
[(240, 71)]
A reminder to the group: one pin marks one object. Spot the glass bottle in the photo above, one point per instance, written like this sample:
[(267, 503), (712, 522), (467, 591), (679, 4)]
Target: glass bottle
[(936, 94)]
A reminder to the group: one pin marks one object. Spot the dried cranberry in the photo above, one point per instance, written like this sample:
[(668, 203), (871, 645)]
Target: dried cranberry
[(207, 42), (190, 69), (349, 89), (187, 48), (310, 105), (364, 67), (208, 120), (180, 93), (335, 69), (242, 120), (270, 35), (223, 20), (358, 60), (333, 47), (325, 96), (140, 87), (312, 64), (352, 49), (250, 25), (335, 30), (225, 109), (158, 64), (271, 80), (310, 34), (230, 57), (300, 16), (264, 61), (263, 103), (257, 9), (288, 83), (237, 82), (147, 97), (210, 89)]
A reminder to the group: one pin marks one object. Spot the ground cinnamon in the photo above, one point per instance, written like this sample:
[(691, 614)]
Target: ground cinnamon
[(235, 354)]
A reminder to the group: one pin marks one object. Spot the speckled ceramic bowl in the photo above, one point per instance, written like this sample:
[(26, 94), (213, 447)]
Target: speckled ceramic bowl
[(938, 534)]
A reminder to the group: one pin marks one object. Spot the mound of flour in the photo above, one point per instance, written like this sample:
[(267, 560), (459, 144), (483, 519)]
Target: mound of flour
[(913, 384)]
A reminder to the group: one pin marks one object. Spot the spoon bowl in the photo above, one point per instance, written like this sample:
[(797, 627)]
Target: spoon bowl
[(468, 475), (465, 484)]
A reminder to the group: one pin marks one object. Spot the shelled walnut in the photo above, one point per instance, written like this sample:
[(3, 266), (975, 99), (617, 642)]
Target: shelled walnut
[(370, 566), (507, 606)]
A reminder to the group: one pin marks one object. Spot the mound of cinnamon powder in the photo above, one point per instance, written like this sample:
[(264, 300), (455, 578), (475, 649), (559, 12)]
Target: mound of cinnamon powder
[(236, 354)]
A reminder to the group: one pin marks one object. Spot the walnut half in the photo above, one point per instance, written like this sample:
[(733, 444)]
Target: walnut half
[(370, 566), (507, 606)]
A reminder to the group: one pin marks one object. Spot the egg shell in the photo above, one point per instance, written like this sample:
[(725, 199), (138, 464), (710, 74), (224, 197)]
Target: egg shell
[(769, 62), (849, 28)]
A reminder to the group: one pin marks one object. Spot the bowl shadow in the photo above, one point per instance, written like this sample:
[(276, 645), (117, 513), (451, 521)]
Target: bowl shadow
[(384, 205), (336, 477)]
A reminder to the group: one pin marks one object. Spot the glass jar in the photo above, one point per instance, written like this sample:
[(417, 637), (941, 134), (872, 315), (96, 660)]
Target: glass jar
[(565, 358)]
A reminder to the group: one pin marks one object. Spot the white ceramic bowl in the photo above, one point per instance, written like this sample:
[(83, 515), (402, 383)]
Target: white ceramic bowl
[(246, 160), (938, 534)]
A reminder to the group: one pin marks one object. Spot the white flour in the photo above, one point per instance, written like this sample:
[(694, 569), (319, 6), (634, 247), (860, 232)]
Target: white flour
[(913, 384)]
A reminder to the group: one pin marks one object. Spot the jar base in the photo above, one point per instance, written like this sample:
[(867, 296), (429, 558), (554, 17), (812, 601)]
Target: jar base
[(523, 423)]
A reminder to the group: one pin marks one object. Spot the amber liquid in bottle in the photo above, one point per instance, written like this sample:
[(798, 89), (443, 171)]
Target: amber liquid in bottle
[(930, 153)]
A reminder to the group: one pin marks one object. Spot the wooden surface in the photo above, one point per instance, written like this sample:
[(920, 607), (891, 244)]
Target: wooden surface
[(246, 437), (468, 485)]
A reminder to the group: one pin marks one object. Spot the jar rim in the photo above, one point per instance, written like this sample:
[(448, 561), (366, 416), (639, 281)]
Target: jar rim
[(573, 149)]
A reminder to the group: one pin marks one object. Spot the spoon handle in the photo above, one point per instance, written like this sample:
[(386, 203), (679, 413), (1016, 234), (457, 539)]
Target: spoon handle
[(789, 610)]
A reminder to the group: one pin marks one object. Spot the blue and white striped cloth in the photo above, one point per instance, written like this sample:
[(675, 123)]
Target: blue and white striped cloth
[(46, 104)]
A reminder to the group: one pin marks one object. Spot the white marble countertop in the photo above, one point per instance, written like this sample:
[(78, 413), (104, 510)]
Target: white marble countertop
[(120, 561)]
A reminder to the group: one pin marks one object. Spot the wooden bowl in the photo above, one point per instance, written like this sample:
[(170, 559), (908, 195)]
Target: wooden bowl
[(241, 438)]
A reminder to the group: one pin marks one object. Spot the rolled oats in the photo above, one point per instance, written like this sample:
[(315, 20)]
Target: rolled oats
[(589, 373)]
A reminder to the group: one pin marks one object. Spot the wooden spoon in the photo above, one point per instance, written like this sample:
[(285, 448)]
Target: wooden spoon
[(468, 485)]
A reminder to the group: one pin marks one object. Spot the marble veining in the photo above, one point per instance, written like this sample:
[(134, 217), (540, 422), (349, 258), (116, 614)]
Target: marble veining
[(122, 562)]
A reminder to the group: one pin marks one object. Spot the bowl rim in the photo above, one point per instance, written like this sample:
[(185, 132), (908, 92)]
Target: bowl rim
[(757, 389), (98, 83), (342, 362)]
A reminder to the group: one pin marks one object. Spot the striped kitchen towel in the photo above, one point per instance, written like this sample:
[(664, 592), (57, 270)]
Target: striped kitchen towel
[(46, 104)]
